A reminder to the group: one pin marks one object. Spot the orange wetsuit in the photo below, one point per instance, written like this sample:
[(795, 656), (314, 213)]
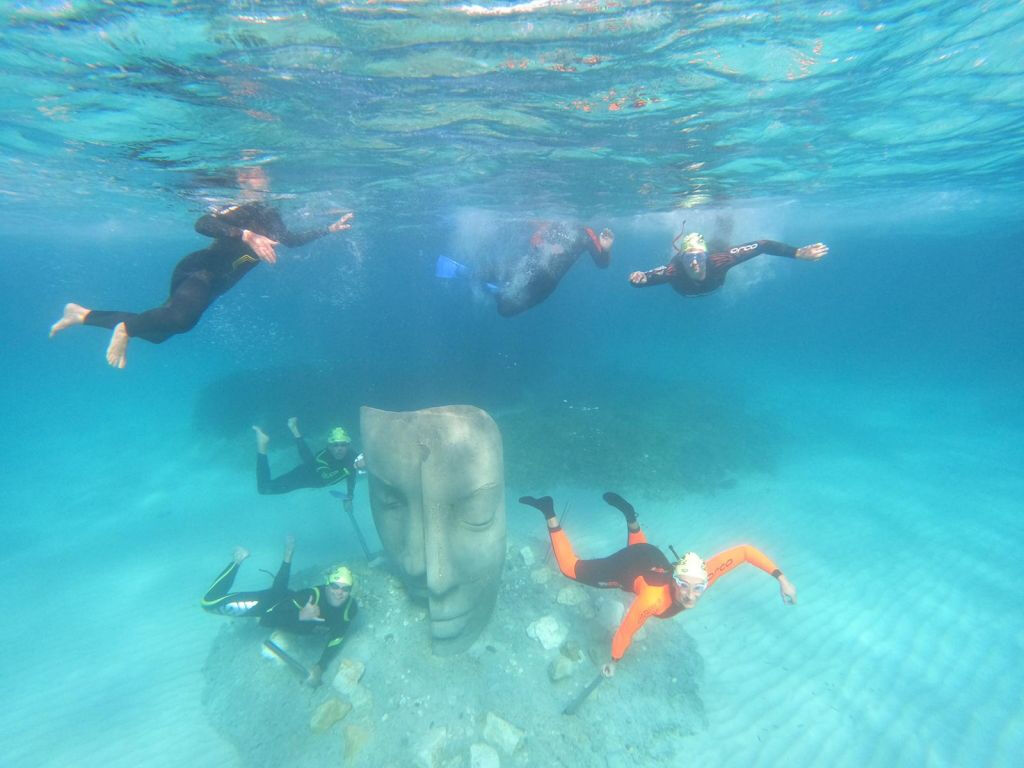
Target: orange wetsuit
[(643, 569)]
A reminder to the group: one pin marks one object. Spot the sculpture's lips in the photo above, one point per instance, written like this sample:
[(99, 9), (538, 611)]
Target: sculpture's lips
[(439, 626)]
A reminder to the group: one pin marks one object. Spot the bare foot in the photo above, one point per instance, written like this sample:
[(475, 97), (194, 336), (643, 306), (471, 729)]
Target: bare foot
[(262, 441), (293, 425), (118, 347), (74, 314), (239, 554)]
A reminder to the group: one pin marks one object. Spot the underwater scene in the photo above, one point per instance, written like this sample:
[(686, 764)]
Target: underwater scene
[(556, 383)]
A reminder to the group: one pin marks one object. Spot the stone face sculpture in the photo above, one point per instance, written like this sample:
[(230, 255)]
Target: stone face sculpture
[(437, 491)]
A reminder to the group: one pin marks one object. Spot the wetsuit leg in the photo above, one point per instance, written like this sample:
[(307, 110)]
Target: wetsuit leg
[(182, 310), (635, 537), (621, 568), (513, 301), (303, 476), (256, 603), (567, 560), (280, 584), (218, 600)]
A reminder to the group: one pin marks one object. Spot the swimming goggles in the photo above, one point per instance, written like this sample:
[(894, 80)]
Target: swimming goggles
[(698, 588)]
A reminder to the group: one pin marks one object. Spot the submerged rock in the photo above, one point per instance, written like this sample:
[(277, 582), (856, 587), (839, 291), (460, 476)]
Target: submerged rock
[(356, 737), (350, 672), (430, 750), (526, 553), (572, 594), (540, 575), (327, 714), (547, 631), (483, 756), (502, 734), (560, 668)]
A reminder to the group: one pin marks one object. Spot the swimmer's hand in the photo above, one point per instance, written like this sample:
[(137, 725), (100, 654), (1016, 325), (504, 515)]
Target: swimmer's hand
[(638, 278), (342, 223), (788, 590), (812, 252), (310, 611), (262, 246)]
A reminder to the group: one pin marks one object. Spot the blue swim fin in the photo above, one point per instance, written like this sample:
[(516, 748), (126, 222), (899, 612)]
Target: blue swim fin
[(449, 268)]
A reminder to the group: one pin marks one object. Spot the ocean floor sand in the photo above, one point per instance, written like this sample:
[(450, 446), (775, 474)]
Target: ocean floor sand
[(903, 648)]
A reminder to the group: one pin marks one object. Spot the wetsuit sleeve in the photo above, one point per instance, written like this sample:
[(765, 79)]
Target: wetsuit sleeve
[(212, 225), (725, 561), (649, 602), (293, 239), (338, 632), (747, 251), (658, 275), (285, 614)]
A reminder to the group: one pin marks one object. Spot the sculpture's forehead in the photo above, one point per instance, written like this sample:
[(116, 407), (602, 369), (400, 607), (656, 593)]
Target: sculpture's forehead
[(445, 447)]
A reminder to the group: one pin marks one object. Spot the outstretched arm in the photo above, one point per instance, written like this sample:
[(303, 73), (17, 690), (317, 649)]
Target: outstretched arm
[(644, 606), (747, 251), (337, 636), (293, 239), (655, 276), (723, 562)]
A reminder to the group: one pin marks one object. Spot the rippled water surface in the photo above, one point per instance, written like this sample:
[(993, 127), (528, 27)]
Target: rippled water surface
[(610, 106)]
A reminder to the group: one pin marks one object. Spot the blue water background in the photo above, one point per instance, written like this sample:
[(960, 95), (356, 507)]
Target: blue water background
[(894, 366)]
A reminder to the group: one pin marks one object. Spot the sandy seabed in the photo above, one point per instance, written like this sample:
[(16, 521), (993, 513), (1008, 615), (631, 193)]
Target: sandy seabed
[(903, 649)]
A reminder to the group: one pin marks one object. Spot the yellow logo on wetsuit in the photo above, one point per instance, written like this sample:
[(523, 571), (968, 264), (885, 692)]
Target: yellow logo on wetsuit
[(245, 258)]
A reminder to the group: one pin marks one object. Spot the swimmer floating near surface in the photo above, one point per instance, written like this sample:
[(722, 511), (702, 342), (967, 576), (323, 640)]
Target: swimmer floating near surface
[(553, 249), (662, 588), (244, 235), (693, 272)]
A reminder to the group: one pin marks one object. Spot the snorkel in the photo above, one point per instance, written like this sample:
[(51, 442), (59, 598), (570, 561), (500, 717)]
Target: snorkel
[(693, 253)]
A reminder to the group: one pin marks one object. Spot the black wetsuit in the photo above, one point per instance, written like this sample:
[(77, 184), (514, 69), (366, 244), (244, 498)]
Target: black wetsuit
[(279, 607), (204, 275), (314, 472), (554, 249), (677, 272), (621, 569)]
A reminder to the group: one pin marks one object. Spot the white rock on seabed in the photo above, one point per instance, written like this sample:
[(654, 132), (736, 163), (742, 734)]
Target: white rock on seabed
[(571, 595), (483, 756), (540, 575), (548, 632), (560, 668), (431, 748), (528, 557), (347, 678), (502, 734)]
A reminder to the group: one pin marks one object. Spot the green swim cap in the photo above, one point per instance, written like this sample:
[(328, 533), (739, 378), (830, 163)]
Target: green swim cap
[(694, 242), (338, 435), (339, 574)]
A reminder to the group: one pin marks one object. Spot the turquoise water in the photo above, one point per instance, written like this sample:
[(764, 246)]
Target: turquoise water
[(859, 418)]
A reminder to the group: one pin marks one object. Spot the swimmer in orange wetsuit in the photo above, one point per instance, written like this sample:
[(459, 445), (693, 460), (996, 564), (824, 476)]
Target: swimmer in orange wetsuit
[(662, 589)]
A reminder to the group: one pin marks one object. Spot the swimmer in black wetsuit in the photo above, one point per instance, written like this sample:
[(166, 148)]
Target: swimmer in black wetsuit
[(338, 461), (328, 608), (244, 235), (554, 248), (692, 272)]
